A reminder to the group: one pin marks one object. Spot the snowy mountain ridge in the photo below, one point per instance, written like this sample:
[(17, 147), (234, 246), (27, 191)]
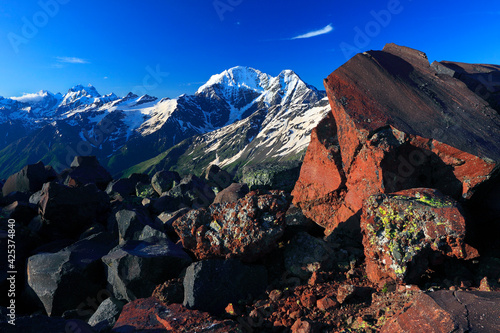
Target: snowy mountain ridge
[(77, 118)]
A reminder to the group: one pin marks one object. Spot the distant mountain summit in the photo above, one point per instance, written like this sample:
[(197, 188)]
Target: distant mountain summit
[(50, 127)]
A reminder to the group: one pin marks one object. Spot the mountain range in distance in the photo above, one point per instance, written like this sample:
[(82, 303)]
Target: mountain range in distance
[(238, 117)]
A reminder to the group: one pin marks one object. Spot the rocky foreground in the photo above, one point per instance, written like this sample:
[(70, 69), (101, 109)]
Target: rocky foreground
[(391, 223)]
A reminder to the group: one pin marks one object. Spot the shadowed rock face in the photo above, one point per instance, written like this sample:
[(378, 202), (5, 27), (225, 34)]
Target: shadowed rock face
[(448, 311), (397, 123)]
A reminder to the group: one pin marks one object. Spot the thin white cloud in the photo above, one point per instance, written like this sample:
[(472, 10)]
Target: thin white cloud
[(329, 28), (72, 60), (31, 98)]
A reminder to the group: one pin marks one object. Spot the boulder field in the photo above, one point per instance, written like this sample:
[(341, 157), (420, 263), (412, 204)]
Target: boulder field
[(390, 224)]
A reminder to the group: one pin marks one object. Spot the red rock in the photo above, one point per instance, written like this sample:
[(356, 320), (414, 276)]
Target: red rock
[(232, 310), (345, 292), (150, 315), (315, 278), (448, 311), (485, 285), (275, 295), (140, 316), (308, 300), (327, 303), (302, 326), (399, 124), (177, 318), (401, 230), (248, 228)]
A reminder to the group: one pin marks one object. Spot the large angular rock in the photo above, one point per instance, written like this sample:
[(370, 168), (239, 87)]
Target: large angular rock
[(248, 228), (22, 212), (135, 225), (306, 254), (484, 80), (167, 219), (164, 180), (137, 267), (87, 170), (63, 280), (217, 178), (448, 311), (152, 316), (402, 231), (29, 180), (123, 186), (272, 176), (72, 210), (106, 315), (210, 285), (399, 124), (192, 192)]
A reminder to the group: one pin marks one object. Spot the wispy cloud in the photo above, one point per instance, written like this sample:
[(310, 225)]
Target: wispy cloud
[(72, 60), (329, 28)]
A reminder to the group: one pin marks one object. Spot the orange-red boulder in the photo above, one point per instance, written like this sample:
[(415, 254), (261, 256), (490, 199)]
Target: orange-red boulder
[(403, 231), (398, 123), (448, 311), (247, 229), (150, 315)]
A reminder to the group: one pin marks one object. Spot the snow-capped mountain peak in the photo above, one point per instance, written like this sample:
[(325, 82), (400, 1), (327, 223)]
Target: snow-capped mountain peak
[(89, 90), (238, 77)]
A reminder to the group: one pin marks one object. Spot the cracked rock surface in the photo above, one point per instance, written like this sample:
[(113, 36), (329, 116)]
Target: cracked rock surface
[(449, 311)]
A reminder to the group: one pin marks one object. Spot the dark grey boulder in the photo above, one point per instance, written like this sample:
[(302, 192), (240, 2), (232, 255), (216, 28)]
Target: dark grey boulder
[(140, 178), (137, 267), (20, 211), (135, 224), (297, 221), (87, 170), (166, 219), (123, 186), (106, 315), (29, 180), (305, 254), (210, 285), (193, 192), (164, 180), (217, 178), (72, 210), (65, 279), (13, 197), (167, 203), (273, 175)]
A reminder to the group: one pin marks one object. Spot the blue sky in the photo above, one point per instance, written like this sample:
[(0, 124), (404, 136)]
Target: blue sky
[(170, 47)]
